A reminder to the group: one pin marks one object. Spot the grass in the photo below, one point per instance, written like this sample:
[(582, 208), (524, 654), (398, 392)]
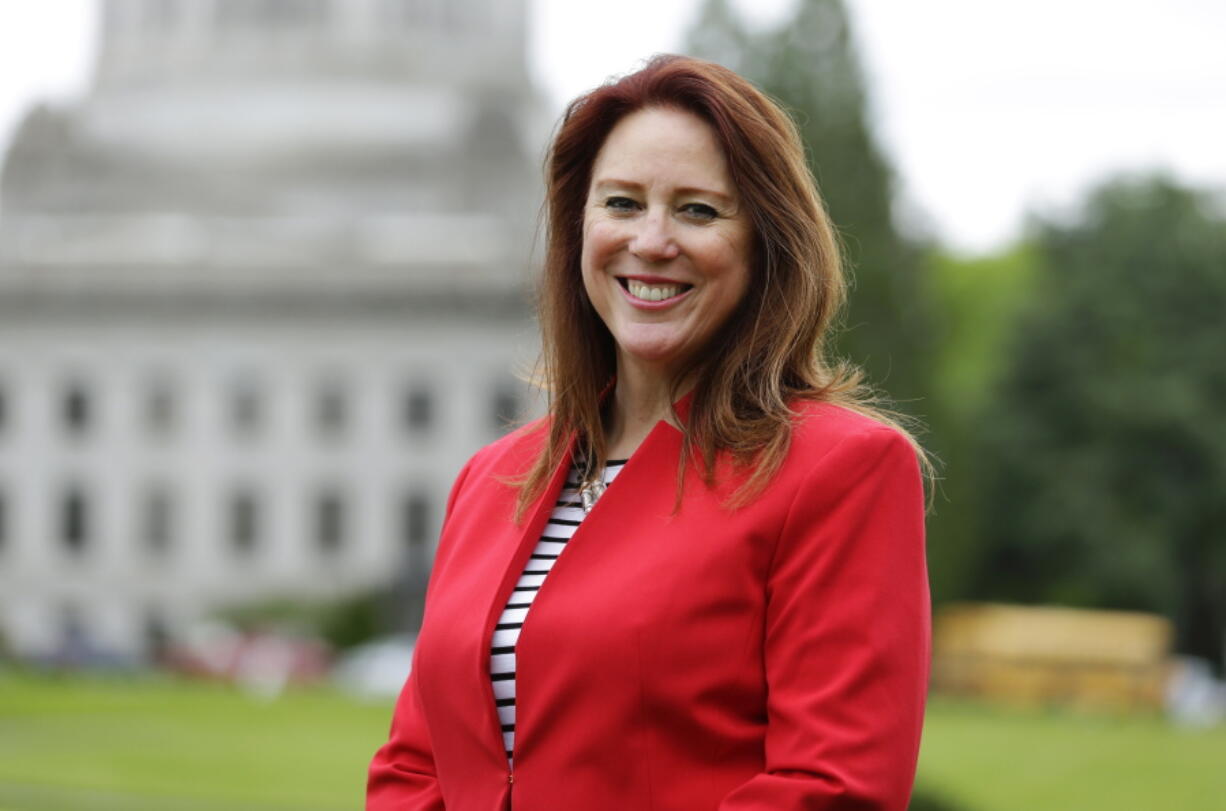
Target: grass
[(163, 744), (978, 758), (150, 743)]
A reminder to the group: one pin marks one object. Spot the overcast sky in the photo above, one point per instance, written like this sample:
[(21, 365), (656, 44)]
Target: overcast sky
[(986, 109)]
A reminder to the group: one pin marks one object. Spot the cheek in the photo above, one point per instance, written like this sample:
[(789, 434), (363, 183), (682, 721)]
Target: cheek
[(600, 239), (589, 270), (736, 251), (599, 245), (589, 282)]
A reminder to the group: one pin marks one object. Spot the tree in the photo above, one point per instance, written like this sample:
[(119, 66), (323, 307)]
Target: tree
[(810, 65), (1104, 457), (979, 300), (719, 35)]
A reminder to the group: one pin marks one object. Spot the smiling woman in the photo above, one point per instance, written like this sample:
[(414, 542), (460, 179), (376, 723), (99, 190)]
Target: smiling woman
[(699, 582), (665, 245)]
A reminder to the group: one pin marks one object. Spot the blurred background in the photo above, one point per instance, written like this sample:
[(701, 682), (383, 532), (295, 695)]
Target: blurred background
[(265, 284)]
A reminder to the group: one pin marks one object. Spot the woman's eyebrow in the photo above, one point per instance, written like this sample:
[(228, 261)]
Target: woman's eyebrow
[(702, 192), (606, 184), (613, 183)]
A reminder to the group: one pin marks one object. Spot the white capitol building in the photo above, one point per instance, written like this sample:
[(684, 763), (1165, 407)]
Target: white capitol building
[(262, 292)]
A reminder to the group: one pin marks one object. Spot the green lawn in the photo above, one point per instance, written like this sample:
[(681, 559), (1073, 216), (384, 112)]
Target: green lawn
[(127, 745), (978, 758), (156, 744)]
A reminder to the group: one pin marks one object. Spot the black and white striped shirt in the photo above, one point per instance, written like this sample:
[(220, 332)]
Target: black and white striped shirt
[(565, 519)]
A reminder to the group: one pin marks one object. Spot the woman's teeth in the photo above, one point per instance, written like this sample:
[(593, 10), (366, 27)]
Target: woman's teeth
[(652, 292)]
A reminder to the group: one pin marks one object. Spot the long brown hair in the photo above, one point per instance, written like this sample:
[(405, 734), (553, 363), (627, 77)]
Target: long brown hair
[(773, 349)]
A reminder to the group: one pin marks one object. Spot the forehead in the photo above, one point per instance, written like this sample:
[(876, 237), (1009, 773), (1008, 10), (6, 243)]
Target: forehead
[(662, 144)]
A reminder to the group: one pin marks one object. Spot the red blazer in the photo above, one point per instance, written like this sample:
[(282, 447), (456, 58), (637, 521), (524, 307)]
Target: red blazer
[(770, 657)]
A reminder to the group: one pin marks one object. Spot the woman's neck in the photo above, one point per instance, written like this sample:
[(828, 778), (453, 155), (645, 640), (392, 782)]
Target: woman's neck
[(639, 400)]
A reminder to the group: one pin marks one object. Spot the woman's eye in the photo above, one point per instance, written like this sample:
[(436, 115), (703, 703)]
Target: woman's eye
[(700, 211), (620, 204)]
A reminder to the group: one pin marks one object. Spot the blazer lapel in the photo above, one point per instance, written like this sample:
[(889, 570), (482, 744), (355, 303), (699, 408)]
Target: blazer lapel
[(526, 538)]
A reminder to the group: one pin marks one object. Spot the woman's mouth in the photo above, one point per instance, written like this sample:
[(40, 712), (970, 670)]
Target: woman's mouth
[(653, 292)]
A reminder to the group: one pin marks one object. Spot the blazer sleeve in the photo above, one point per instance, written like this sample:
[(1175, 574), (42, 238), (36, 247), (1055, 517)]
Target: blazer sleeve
[(401, 775), (847, 636)]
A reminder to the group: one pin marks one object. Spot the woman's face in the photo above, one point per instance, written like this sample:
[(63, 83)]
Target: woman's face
[(666, 242)]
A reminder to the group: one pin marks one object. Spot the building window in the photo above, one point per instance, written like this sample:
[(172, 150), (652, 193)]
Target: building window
[(74, 521), (418, 408), (244, 523), (75, 642), (160, 407), (76, 408), (157, 634), (504, 407), (329, 522), (158, 519), (331, 408), (246, 408), (415, 522)]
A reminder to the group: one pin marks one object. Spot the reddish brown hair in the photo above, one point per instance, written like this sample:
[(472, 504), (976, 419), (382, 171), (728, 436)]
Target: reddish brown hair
[(773, 347)]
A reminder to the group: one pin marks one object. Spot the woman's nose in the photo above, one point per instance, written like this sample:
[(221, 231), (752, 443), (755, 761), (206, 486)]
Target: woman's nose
[(653, 239)]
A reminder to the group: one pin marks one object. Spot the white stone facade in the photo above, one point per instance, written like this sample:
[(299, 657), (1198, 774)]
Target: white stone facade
[(236, 363)]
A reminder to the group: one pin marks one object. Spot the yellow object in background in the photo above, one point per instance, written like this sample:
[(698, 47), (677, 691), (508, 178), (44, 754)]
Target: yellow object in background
[(1043, 656)]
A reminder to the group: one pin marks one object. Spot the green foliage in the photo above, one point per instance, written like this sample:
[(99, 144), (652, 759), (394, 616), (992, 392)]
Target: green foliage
[(719, 35), (342, 623), (1074, 385), (1104, 455), (809, 64), (979, 301)]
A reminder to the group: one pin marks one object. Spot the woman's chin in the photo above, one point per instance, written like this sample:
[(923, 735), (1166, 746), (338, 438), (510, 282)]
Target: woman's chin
[(657, 356)]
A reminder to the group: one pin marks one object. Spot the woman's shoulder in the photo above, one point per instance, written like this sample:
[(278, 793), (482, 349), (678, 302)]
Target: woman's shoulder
[(511, 453), (820, 427), (835, 449), (820, 420), (500, 462)]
